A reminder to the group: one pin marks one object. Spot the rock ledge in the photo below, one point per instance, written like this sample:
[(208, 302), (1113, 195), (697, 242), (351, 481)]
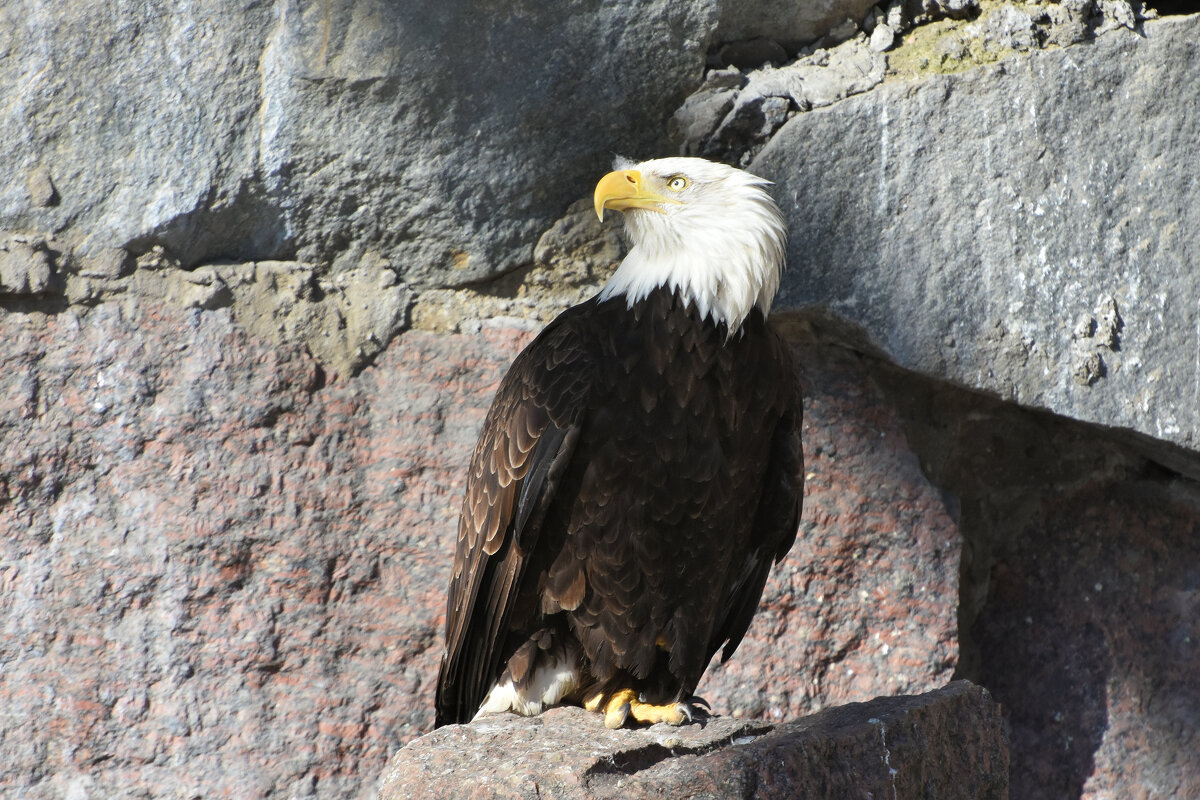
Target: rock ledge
[(949, 743)]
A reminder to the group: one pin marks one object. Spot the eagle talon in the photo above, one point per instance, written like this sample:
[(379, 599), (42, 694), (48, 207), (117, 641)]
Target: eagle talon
[(693, 708), (624, 707), (615, 718)]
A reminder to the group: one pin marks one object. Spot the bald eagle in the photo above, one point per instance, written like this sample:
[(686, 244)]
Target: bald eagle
[(639, 469)]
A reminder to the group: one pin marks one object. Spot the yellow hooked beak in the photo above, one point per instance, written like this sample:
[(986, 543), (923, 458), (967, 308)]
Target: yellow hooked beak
[(624, 189)]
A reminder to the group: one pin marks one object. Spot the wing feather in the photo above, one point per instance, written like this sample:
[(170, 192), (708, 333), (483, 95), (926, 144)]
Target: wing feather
[(528, 438), (777, 518)]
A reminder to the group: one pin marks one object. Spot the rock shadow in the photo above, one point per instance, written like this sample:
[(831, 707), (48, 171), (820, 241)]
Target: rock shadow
[(1079, 592)]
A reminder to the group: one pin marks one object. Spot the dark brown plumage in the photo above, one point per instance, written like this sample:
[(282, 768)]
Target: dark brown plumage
[(639, 470), (638, 473)]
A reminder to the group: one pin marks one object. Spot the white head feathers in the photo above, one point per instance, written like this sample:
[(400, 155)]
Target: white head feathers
[(707, 230)]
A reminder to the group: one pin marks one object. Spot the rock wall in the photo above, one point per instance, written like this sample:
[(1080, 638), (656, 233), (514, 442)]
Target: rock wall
[(1077, 595), (437, 137), (218, 573), (1032, 242), (261, 267), (225, 570)]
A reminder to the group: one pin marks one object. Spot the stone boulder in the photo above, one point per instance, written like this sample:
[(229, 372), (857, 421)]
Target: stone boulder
[(440, 137), (1019, 228), (946, 744)]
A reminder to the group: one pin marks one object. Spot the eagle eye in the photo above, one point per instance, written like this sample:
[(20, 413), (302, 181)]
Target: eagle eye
[(677, 183)]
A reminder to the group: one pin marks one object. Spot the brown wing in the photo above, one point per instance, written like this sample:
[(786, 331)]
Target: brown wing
[(527, 439), (778, 515)]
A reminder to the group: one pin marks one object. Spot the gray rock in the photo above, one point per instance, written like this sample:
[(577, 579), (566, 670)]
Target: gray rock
[(579, 243), (25, 267), (1117, 14), (962, 225), (41, 188), (757, 109), (572, 259), (785, 20), (822, 78), (849, 69), (1065, 25), (1006, 27), (753, 120), (107, 263), (882, 37), (443, 135), (695, 121), (143, 116)]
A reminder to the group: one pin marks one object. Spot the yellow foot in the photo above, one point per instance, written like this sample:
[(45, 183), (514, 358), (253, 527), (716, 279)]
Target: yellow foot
[(622, 706)]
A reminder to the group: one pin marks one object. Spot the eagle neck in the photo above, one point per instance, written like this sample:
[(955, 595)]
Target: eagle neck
[(723, 271)]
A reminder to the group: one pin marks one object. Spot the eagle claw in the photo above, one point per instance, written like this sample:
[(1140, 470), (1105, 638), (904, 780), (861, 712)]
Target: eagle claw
[(624, 707), (615, 718)]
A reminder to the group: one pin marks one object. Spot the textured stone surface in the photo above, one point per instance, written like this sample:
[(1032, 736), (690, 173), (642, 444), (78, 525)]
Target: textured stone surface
[(344, 320), (966, 33), (223, 548), (219, 573), (26, 267), (1109, 572), (949, 743), (571, 260), (866, 601), (754, 109), (787, 21), (328, 132), (1079, 595), (223, 567), (978, 227)]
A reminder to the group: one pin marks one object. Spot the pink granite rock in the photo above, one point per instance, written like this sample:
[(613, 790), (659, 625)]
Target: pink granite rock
[(222, 569)]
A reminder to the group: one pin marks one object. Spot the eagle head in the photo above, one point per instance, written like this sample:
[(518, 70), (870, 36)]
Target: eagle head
[(706, 230)]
